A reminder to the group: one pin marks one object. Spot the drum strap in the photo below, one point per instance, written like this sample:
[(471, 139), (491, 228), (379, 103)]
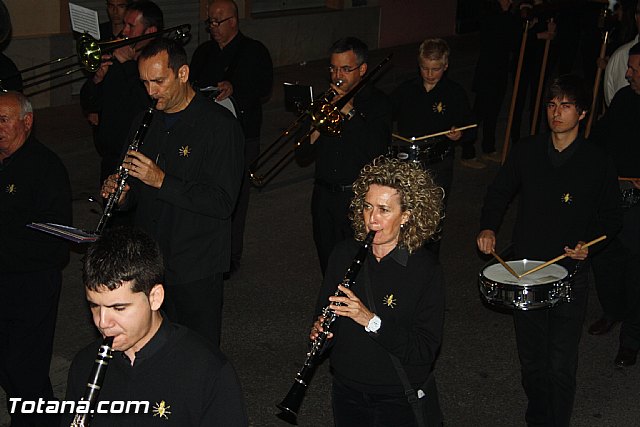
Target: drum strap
[(412, 396)]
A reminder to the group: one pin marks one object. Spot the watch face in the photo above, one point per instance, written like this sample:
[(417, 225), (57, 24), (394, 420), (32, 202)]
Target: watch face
[(374, 324)]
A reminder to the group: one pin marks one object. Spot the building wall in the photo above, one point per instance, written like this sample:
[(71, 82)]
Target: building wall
[(291, 36), (410, 21)]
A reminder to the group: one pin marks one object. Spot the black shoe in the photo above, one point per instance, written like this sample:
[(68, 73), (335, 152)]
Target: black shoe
[(626, 357), (602, 326)]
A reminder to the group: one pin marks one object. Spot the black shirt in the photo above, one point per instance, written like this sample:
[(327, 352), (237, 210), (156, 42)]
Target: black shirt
[(558, 206), (618, 132), (245, 63), (364, 137), (34, 187), (118, 99), (408, 293), (177, 370), (190, 215)]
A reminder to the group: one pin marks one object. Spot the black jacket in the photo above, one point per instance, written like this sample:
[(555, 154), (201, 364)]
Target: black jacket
[(190, 215)]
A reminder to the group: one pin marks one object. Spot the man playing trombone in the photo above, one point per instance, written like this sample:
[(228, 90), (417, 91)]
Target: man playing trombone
[(113, 96), (365, 135)]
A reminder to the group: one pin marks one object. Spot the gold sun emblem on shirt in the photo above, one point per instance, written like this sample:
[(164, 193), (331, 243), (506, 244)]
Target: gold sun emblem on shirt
[(567, 198), (184, 151), (12, 189), (439, 107), (161, 410), (389, 301)]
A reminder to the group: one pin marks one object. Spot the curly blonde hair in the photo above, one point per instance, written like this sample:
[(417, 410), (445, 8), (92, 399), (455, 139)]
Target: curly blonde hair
[(418, 194)]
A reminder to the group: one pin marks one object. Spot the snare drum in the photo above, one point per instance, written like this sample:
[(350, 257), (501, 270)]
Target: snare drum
[(541, 289), (425, 153), (630, 197)]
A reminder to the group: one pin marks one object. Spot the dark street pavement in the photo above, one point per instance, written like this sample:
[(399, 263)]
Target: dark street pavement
[(269, 302)]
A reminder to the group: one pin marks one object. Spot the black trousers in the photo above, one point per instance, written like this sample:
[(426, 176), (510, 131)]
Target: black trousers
[(547, 341), (617, 278), (331, 225), (28, 312), (442, 173), (486, 107), (239, 218), (197, 305), (352, 408)]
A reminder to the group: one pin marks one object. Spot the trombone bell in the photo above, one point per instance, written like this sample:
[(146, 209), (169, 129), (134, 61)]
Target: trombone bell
[(89, 53)]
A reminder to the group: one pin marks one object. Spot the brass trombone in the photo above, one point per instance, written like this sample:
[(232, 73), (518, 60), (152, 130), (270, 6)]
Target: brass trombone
[(89, 53), (324, 116)]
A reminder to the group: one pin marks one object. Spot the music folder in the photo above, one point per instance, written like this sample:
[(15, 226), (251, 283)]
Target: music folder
[(297, 97), (72, 234)]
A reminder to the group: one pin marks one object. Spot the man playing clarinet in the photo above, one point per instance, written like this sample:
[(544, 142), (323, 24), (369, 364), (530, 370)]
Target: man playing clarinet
[(175, 374)]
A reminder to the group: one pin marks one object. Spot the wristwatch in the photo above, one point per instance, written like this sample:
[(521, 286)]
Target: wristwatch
[(374, 324)]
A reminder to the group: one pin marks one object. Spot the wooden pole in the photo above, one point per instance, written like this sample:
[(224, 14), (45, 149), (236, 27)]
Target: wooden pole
[(543, 70), (596, 87), (516, 84)]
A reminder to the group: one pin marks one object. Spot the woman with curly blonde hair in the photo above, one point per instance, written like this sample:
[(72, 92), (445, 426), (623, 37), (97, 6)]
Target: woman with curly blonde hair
[(401, 313)]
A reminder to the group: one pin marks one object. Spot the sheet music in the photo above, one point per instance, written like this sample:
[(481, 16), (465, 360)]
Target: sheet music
[(84, 20), (68, 233)]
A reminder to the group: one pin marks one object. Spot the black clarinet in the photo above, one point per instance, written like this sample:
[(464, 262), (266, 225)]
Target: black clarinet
[(96, 378), (123, 172), (291, 403)]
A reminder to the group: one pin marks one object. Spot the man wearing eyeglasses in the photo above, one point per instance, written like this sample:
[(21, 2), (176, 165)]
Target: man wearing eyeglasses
[(238, 67), (365, 135), (568, 195)]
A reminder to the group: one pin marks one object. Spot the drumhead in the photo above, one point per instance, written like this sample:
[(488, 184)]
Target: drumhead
[(550, 274)]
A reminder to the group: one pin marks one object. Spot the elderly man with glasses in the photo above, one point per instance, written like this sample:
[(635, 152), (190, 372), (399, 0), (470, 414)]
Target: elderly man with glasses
[(238, 67), (365, 135)]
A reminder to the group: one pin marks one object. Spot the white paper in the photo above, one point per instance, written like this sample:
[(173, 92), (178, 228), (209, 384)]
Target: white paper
[(84, 20)]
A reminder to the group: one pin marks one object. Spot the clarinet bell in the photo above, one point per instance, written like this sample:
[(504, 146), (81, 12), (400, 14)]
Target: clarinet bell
[(290, 405)]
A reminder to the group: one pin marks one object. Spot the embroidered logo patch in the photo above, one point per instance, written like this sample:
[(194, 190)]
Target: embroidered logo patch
[(567, 198), (161, 410), (389, 301), (12, 189), (184, 151), (439, 107)]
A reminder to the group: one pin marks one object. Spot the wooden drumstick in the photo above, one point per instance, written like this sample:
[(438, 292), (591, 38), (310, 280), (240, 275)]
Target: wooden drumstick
[(621, 178), (433, 135), (558, 258), (504, 264)]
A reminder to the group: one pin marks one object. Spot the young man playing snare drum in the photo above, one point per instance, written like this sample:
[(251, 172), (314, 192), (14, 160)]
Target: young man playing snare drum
[(568, 195)]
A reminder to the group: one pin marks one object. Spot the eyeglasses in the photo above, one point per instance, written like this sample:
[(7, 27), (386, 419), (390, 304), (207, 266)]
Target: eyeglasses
[(564, 106), (214, 24), (344, 69)]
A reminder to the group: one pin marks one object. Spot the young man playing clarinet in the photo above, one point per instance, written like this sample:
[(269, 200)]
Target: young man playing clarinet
[(175, 373)]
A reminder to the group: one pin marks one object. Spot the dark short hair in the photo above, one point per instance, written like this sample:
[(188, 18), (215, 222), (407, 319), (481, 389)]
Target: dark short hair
[(123, 254), (151, 14), (572, 87), (634, 50), (359, 48), (174, 49)]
